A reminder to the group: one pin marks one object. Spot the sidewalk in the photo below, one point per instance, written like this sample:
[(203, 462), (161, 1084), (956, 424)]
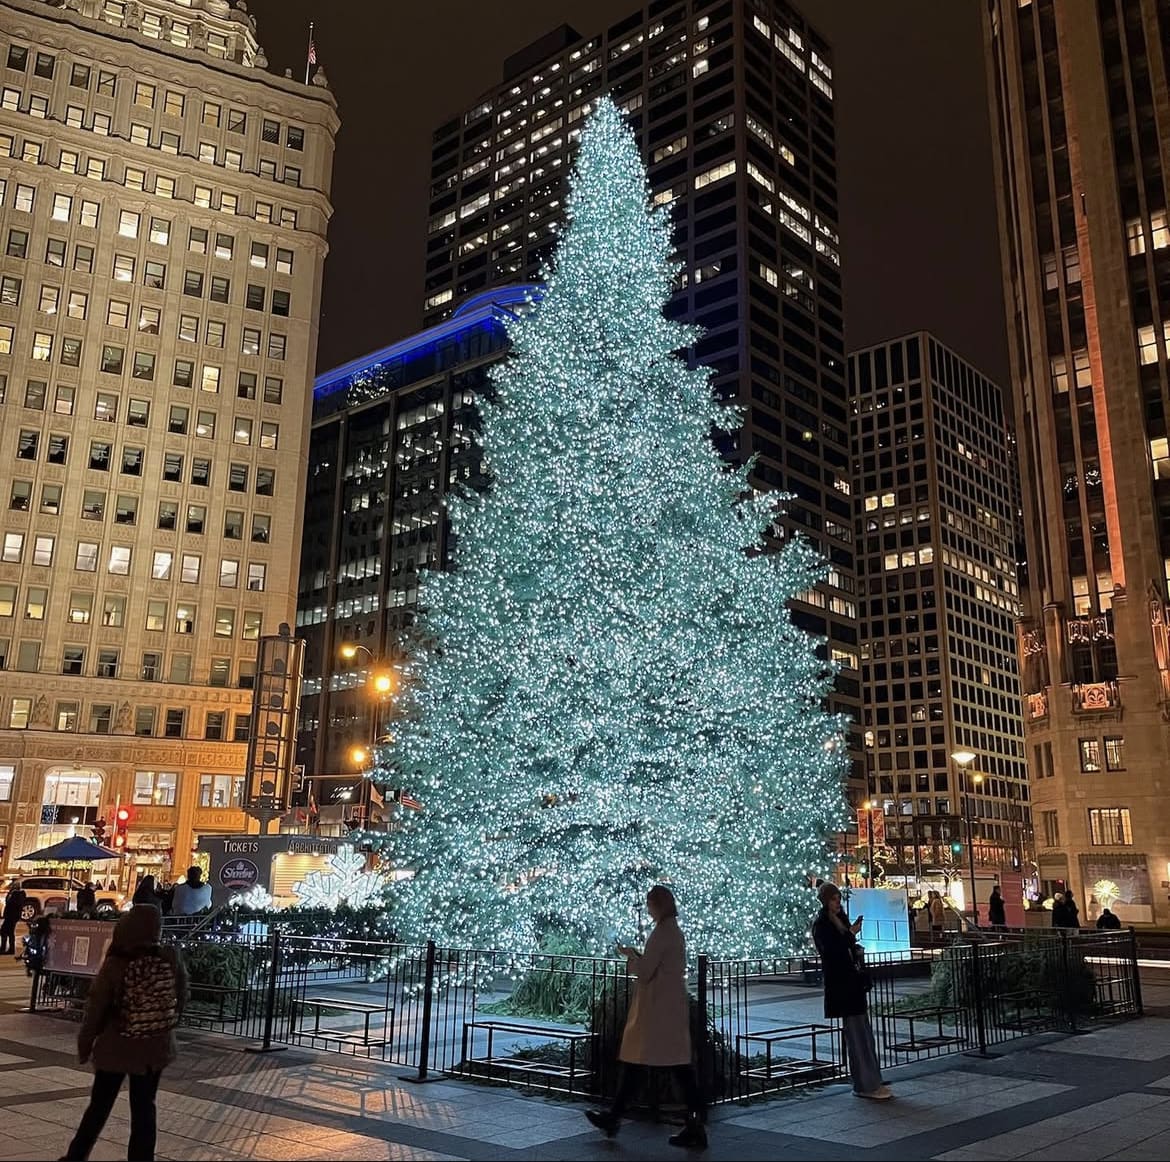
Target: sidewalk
[(1101, 1095)]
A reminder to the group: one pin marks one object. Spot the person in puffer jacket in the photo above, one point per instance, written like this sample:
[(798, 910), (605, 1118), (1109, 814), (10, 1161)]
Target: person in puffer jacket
[(129, 1029)]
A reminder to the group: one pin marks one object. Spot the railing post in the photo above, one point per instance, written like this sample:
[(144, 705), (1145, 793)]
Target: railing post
[(1137, 976), (266, 1045), (1066, 982), (977, 996), (36, 986), (424, 1047), (701, 1043)]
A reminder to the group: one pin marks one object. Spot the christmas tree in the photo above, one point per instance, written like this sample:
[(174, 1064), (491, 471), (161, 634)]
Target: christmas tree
[(611, 691)]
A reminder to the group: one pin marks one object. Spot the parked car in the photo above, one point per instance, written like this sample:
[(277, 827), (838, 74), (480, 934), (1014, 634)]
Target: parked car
[(52, 893)]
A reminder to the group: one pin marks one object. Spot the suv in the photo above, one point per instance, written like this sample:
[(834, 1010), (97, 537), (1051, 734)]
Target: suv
[(50, 893)]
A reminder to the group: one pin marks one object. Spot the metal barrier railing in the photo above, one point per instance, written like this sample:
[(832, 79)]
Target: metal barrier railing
[(555, 1020)]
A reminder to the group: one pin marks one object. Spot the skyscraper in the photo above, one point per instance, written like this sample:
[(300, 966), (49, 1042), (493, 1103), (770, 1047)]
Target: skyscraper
[(1080, 112), (937, 588), (732, 104), (392, 432), (163, 206)]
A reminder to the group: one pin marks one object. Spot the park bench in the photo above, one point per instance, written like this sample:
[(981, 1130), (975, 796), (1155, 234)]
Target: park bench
[(787, 1068), (217, 998), (513, 1063), (916, 1042), (810, 970), (338, 1004), (1024, 1010)]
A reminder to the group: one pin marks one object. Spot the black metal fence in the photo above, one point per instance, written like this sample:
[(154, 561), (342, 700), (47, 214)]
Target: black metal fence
[(555, 1020)]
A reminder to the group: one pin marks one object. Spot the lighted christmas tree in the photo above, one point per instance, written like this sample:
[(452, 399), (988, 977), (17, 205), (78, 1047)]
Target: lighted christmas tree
[(612, 692)]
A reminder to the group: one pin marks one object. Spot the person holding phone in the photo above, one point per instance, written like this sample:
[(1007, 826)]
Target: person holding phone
[(846, 986), (657, 1033)]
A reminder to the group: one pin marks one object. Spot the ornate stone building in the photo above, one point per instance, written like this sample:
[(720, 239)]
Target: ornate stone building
[(1081, 114), (163, 208)]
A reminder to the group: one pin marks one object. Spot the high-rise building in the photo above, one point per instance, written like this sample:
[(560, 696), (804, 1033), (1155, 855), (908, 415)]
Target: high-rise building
[(163, 206), (937, 591), (732, 104), (1080, 112), (392, 432)]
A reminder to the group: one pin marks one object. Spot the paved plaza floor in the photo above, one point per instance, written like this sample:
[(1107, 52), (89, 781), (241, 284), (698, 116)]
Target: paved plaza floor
[(1104, 1094)]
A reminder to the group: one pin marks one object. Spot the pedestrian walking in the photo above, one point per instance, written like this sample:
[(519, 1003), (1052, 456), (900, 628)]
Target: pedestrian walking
[(129, 1030), (934, 905), (14, 904), (1107, 921), (847, 984), (996, 912), (657, 1033), (86, 899), (1064, 911)]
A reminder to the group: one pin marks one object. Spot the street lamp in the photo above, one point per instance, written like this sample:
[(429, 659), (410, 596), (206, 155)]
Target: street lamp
[(382, 681), (868, 808), (964, 759)]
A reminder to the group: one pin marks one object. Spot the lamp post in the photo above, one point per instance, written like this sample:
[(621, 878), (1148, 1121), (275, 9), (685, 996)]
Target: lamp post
[(381, 682), (868, 808), (964, 759)]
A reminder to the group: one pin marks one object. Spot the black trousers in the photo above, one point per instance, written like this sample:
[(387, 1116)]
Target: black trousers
[(7, 938), (143, 1128), (630, 1076)]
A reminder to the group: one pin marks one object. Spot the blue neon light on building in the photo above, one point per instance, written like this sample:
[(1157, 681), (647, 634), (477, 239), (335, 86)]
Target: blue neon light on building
[(487, 312)]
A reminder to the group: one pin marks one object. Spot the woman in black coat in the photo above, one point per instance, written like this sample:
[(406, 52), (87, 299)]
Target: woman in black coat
[(846, 986), (996, 910)]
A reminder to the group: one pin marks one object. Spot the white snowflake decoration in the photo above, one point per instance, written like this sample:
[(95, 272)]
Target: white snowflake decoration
[(346, 881), (256, 897)]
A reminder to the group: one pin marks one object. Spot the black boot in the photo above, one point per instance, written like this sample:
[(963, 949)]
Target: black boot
[(692, 1136), (604, 1121)]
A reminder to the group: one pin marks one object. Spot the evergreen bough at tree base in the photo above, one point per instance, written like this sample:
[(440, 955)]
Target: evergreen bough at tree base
[(609, 690)]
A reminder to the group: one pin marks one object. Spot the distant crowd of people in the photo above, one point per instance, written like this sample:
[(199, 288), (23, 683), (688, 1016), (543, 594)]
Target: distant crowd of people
[(184, 898)]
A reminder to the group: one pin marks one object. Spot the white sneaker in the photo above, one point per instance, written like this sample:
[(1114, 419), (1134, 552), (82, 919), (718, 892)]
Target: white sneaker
[(882, 1093)]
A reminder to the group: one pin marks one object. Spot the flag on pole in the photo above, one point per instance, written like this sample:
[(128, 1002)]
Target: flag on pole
[(408, 800), (311, 58)]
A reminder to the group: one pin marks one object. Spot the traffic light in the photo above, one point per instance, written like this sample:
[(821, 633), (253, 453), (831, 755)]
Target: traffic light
[(121, 823), (99, 832), (957, 848)]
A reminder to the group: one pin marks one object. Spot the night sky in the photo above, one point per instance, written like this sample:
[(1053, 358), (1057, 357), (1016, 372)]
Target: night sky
[(918, 232)]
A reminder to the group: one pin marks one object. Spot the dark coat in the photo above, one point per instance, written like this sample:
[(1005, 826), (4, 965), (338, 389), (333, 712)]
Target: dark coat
[(1065, 915), (136, 933), (844, 983), (13, 903), (86, 898), (1108, 921), (995, 910)]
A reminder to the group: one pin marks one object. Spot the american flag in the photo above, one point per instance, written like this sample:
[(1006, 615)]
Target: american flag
[(312, 51), (408, 800)]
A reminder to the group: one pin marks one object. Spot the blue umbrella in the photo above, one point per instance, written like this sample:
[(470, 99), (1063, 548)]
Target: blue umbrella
[(75, 850), (70, 851)]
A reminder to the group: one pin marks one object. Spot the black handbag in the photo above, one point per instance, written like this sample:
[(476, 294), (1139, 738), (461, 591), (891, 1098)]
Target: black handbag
[(858, 955)]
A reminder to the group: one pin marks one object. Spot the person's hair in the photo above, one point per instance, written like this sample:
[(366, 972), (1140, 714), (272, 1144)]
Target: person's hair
[(664, 898), (194, 872), (827, 891), (995, 889)]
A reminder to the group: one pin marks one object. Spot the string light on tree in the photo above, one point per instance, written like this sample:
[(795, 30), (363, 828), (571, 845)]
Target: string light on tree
[(610, 690)]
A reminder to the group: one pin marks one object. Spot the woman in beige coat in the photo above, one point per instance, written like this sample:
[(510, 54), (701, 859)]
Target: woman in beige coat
[(657, 1033)]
